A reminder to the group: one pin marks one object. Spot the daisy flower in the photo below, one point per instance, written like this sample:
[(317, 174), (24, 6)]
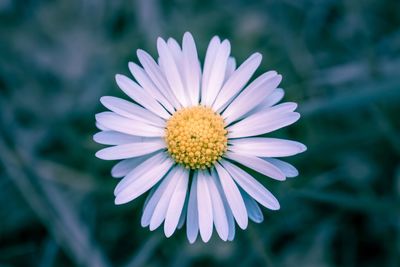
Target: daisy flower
[(188, 134)]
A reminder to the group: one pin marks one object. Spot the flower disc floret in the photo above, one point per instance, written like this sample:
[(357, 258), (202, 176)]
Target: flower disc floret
[(196, 137)]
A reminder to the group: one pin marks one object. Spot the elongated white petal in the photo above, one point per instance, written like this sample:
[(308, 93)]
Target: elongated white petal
[(230, 67), (272, 99), (123, 167), (253, 210), (176, 204), (204, 206), (152, 200), (251, 96), (172, 72), (217, 72), (101, 127), (130, 150), (208, 63), (265, 121), (192, 224), (228, 211), (156, 75), (237, 81), (144, 80), (137, 93), (266, 147), (251, 186), (141, 179), (233, 197), (132, 111), (121, 124), (288, 169), (160, 211), (257, 164), (115, 138), (219, 214), (182, 219), (191, 68)]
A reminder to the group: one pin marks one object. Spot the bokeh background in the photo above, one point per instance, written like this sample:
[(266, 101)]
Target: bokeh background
[(340, 61)]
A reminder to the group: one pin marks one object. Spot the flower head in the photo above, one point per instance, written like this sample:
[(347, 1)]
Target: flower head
[(189, 131)]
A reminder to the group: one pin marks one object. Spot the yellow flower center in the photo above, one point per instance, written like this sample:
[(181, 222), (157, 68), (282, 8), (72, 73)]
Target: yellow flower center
[(196, 137)]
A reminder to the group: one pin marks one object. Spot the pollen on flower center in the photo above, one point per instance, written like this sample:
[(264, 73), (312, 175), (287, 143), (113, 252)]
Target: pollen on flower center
[(196, 137)]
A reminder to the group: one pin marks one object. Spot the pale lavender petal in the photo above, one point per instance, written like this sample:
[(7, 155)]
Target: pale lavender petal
[(156, 75), (233, 197), (219, 213), (288, 169), (116, 138), (204, 206), (176, 204), (192, 69), (125, 166), (251, 96), (257, 164), (141, 179), (139, 95), (130, 150), (144, 80), (208, 63), (251, 186), (253, 210), (237, 81), (121, 124), (266, 147), (192, 225)]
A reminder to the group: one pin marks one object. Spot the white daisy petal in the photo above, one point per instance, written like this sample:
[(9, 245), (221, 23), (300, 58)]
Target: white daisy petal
[(228, 211), (115, 138), (160, 211), (182, 218), (172, 72), (131, 111), (219, 214), (237, 81), (192, 224), (230, 68), (204, 205), (233, 197), (257, 164), (266, 147), (152, 200), (288, 169), (121, 124), (191, 68), (265, 121), (141, 179), (130, 150), (253, 210), (176, 204), (139, 95), (123, 167), (217, 72), (251, 186), (101, 127), (156, 75), (273, 98), (208, 63), (144, 80), (251, 96)]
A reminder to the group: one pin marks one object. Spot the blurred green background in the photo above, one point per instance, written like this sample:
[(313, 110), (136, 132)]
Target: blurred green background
[(340, 61)]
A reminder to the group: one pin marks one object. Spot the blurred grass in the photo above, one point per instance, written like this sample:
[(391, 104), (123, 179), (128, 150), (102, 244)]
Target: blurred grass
[(340, 60)]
